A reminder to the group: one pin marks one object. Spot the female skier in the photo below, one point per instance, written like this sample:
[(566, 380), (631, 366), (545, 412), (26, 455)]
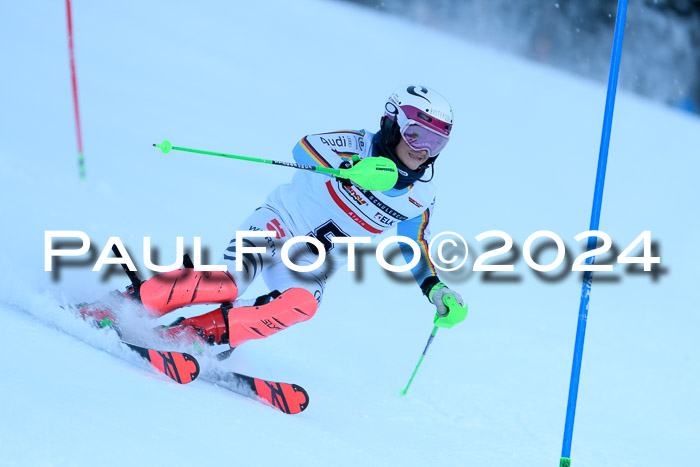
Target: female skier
[(414, 130)]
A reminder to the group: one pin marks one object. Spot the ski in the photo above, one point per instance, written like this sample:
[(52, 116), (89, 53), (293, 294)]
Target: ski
[(181, 367), (285, 397), (184, 368)]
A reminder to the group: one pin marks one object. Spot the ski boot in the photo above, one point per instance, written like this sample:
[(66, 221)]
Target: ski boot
[(97, 314), (100, 314)]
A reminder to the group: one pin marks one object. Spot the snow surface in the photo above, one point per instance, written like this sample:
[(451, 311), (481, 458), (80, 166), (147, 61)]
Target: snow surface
[(251, 78)]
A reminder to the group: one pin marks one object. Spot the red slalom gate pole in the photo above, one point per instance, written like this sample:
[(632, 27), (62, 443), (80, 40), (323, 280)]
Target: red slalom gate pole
[(81, 159)]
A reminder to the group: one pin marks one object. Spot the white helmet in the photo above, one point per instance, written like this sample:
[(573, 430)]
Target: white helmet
[(419, 115)]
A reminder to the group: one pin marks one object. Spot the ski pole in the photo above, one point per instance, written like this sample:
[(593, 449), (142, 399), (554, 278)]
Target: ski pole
[(430, 340), (456, 314), (371, 173)]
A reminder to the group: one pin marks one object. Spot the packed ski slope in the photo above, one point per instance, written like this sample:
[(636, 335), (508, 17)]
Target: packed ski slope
[(251, 78)]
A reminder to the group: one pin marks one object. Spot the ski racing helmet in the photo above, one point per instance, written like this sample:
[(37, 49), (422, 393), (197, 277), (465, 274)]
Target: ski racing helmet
[(419, 115)]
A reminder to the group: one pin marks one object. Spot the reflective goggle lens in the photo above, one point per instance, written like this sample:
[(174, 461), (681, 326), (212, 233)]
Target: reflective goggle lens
[(420, 138)]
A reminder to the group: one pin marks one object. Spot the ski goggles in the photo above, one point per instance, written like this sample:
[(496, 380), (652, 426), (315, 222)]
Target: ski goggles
[(421, 138), (421, 131)]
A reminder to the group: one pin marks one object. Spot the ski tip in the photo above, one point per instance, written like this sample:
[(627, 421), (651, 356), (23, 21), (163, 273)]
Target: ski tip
[(193, 374), (305, 397), (181, 367), (287, 398)]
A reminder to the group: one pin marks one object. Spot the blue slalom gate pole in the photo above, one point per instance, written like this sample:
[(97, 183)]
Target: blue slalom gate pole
[(565, 460)]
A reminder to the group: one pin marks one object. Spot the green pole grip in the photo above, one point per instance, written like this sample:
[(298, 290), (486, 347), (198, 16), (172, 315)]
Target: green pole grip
[(457, 313)]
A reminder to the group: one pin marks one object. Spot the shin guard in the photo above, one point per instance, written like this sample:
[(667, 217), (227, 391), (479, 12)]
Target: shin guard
[(255, 322), (166, 292)]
